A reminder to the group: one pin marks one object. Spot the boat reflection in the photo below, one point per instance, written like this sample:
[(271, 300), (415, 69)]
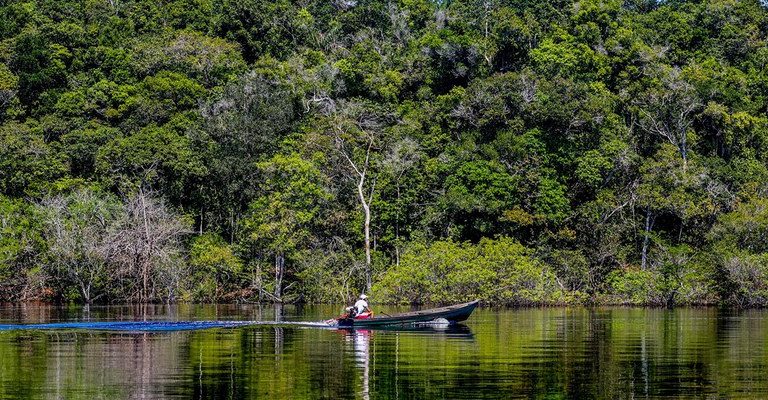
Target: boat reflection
[(458, 331), (362, 345), (361, 340)]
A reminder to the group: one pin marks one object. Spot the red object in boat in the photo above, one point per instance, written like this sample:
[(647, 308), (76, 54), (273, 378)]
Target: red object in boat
[(342, 317), (364, 315)]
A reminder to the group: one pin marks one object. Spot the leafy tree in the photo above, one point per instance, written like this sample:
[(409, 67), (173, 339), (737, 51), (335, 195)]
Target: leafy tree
[(82, 147), (9, 84), (281, 222), (739, 253), (28, 165), (39, 64), (480, 192), (155, 156), (157, 99), (668, 112), (209, 60), (217, 271), (356, 134), (21, 247), (669, 187), (241, 127), (400, 187), (499, 271), (261, 27)]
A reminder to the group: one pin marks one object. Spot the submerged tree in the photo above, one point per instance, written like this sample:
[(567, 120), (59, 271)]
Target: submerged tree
[(145, 239), (77, 228)]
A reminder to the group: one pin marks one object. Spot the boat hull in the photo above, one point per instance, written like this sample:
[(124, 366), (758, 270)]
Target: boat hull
[(455, 313)]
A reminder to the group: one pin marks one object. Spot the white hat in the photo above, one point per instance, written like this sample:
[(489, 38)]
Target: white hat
[(362, 296)]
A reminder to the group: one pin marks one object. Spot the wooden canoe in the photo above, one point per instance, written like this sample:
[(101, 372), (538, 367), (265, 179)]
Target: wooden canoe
[(454, 313)]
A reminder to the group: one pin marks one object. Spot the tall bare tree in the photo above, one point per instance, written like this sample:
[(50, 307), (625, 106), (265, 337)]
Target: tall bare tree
[(145, 240), (357, 135), (76, 227)]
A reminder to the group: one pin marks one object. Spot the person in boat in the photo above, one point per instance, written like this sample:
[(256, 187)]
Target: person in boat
[(361, 306)]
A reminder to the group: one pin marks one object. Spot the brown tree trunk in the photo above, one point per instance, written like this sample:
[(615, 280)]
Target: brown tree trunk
[(145, 279)]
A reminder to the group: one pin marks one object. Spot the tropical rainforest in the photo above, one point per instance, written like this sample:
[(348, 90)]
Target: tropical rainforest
[(422, 151)]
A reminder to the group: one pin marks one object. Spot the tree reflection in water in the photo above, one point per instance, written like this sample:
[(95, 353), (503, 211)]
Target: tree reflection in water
[(525, 353)]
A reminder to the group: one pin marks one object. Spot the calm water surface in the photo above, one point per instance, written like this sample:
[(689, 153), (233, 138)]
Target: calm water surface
[(547, 353)]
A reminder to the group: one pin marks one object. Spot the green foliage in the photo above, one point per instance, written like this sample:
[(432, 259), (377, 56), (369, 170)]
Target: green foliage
[(294, 194), (243, 125), (329, 277), (217, 270), (591, 167), (39, 64), (740, 253), (154, 156), (9, 84), (625, 144), (21, 243), (28, 165), (210, 60), (280, 222), (157, 98), (563, 56), (668, 284), (479, 184), (500, 271), (263, 27), (82, 147), (633, 286)]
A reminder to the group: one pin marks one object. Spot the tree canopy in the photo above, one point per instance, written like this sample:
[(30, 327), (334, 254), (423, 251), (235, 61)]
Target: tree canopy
[(522, 152)]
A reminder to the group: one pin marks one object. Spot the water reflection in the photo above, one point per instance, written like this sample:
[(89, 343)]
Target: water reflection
[(529, 353), (360, 340)]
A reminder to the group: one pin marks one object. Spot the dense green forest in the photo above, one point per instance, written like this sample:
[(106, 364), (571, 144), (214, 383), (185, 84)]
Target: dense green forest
[(517, 151)]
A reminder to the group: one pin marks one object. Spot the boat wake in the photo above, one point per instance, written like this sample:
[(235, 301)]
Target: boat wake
[(437, 319), (157, 326)]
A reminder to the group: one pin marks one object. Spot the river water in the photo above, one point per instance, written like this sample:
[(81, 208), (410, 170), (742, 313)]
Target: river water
[(542, 353)]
